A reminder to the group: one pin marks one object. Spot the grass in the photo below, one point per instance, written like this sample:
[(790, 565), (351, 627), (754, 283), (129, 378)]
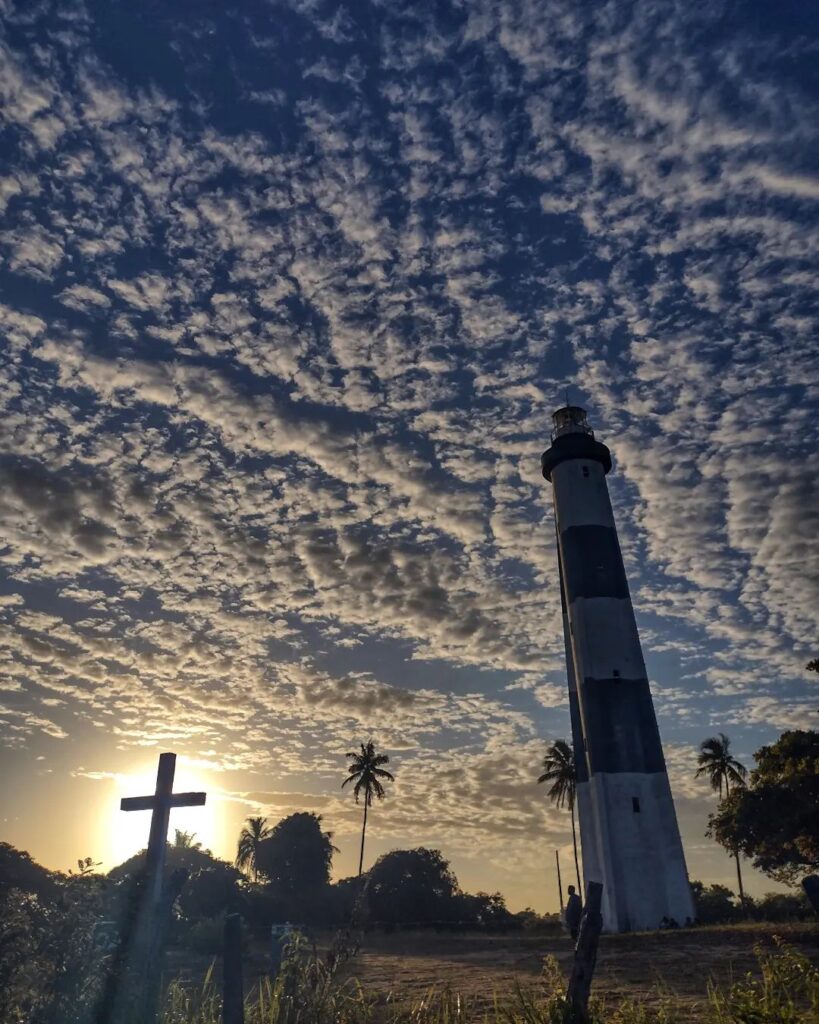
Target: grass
[(308, 990)]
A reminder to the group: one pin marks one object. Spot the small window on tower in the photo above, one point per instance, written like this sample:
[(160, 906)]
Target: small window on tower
[(585, 471), (635, 804)]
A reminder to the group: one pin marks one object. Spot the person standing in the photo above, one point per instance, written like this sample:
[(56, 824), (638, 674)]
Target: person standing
[(574, 911)]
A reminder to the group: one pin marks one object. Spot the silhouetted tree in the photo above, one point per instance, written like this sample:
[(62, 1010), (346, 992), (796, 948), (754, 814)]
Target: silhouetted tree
[(487, 911), (250, 838), (366, 772), (559, 769), (813, 665), (185, 840), (775, 818), (297, 855), (18, 870), (190, 858), (411, 887), (713, 904), (723, 771), (210, 892)]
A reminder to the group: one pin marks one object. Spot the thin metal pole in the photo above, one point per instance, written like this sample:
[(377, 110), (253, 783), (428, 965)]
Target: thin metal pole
[(559, 882)]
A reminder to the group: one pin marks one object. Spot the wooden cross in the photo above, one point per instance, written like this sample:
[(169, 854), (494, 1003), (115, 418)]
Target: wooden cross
[(160, 803)]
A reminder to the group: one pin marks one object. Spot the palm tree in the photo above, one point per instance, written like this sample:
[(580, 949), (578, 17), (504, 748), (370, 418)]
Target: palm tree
[(559, 769), (183, 840), (366, 774), (723, 771), (250, 839)]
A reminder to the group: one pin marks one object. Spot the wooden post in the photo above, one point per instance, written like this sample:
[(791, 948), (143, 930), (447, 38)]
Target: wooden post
[(559, 882), (811, 886), (585, 954), (233, 996)]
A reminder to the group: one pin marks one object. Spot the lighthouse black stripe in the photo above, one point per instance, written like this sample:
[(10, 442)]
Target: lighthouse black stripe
[(578, 745), (592, 563), (620, 726)]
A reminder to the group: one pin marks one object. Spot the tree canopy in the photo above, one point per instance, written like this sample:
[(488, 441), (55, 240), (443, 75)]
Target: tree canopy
[(775, 819), (559, 770), (210, 891), (18, 870), (411, 887), (251, 837), (192, 858), (297, 855), (719, 765), (366, 773)]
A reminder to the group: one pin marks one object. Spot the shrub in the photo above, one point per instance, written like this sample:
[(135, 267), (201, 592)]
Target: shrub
[(52, 953), (786, 993)]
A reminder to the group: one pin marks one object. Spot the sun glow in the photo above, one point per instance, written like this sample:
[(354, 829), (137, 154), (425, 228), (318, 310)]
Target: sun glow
[(126, 832)]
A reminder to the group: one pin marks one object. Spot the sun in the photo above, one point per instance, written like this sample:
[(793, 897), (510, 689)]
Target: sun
[(126, 832)]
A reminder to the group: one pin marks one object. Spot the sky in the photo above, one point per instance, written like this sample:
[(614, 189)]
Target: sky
[(288, 293)]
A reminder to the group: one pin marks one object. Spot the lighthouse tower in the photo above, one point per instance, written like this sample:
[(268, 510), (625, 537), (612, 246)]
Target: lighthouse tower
[(628, 826)]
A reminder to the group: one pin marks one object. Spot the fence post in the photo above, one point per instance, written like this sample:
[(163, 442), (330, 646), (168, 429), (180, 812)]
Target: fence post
[(811, 886), (233, 996), (585, 954)]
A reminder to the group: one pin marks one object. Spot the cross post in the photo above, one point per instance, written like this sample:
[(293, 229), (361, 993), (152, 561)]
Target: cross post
[(160, 804)]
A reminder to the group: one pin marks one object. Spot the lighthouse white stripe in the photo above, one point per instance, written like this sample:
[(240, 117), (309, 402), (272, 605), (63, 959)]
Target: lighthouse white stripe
[(605, 638), (581, 500)]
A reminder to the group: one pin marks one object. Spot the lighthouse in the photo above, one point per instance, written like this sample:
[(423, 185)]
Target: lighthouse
[(628, 826)]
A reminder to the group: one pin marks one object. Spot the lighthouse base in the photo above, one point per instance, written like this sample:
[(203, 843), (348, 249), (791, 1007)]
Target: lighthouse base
[(639, 856)]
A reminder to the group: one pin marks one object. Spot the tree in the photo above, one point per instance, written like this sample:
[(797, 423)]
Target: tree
[(297, 855), (185, 840), (366, 773), (723, 771), (210, 892), (250, 838), (813, 665), (713, 904), (18, 870), (559, 769), (775, 819), (191, 858), (487, 911), (411, 887)]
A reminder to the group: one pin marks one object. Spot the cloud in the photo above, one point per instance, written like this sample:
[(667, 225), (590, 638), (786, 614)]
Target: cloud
[(280, 353), (34, 252)]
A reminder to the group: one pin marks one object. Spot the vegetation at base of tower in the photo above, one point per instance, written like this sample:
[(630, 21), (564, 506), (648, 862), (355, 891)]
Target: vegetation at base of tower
[(559, 769), (723, 771), (55, 931), (366, 774), (717, 904), (775, 819)]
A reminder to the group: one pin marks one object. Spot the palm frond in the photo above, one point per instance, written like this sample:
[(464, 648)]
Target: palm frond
[(559, 769)]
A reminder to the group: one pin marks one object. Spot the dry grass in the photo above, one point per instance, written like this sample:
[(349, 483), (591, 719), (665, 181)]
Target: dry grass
[(648, 967)]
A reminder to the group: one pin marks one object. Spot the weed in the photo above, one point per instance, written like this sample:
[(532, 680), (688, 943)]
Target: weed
[(787, 992)]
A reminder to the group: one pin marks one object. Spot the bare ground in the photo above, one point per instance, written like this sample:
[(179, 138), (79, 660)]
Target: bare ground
[(650, 966)]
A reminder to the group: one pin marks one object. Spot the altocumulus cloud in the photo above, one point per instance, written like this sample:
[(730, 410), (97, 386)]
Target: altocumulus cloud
[(287, 296)]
